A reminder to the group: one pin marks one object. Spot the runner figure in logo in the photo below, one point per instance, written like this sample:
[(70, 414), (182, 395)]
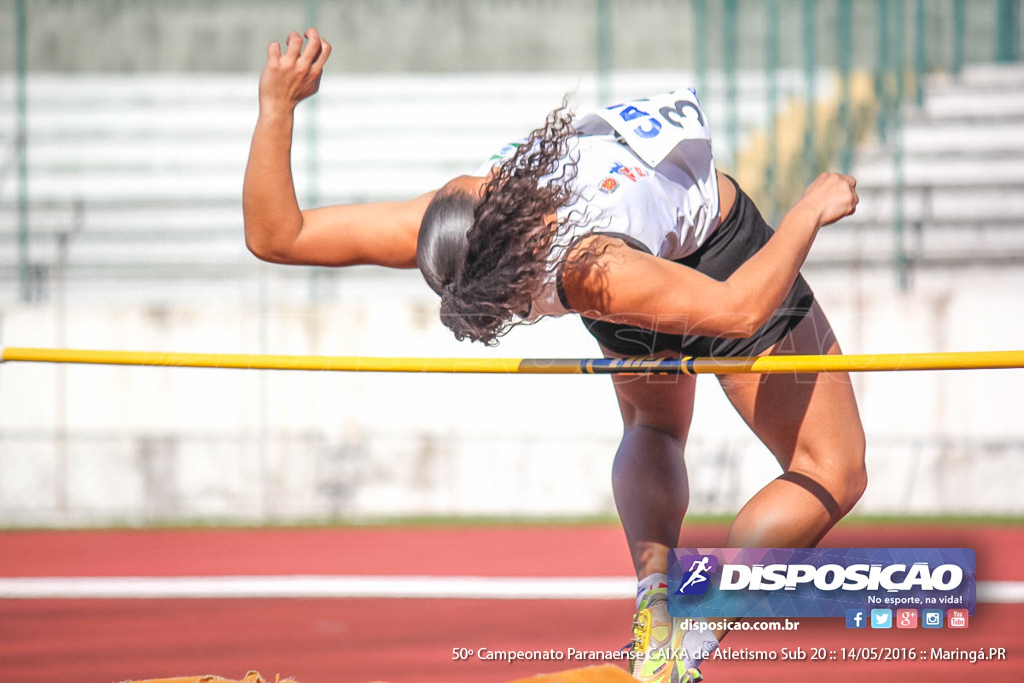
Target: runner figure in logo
[(697, 575)]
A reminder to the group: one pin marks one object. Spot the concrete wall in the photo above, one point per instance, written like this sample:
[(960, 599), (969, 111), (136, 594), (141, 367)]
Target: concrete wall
[(87, 445), (373, 36)]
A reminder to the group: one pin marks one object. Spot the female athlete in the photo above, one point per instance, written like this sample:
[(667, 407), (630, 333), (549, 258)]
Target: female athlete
[(622, 218)]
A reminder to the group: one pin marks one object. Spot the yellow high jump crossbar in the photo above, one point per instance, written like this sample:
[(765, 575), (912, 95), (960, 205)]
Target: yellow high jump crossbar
[(970, 360)]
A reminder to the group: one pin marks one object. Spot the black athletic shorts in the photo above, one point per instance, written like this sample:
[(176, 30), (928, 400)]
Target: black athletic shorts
[(738, 238)]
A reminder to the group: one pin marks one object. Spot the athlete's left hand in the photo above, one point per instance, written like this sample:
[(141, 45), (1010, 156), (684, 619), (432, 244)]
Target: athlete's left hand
[(292, 76)]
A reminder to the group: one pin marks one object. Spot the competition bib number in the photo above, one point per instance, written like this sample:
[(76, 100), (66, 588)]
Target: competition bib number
[(654, 126)]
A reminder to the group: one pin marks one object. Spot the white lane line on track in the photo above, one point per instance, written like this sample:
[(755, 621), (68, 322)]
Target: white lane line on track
[(463, 587), (499, 587), (1001, 591)]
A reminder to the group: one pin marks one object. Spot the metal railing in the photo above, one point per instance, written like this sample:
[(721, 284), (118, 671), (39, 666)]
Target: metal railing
[(894, 43)]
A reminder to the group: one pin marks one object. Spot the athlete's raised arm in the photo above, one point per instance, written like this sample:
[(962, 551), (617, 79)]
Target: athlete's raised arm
[(622, 285), (276, 229)]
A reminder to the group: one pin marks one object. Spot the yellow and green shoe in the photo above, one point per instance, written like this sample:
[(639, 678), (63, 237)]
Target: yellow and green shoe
[(657, 647)]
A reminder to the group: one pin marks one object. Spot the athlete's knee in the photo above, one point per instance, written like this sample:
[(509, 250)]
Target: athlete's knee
[(670, 427), (838, 477), (853, 472), (653, 439), (672, 424), (850, 487)]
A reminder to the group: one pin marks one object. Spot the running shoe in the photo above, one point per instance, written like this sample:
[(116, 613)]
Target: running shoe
[(657, 655)]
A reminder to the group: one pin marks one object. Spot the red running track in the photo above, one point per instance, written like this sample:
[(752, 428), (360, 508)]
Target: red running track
[(360, 640)]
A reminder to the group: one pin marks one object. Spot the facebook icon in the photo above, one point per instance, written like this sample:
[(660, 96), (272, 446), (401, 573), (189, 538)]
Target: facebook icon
[(856, 618)]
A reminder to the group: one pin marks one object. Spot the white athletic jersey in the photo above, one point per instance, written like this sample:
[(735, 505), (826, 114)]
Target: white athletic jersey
[(644, 172)]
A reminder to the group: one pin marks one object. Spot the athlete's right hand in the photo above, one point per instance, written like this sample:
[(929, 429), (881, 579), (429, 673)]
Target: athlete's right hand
[(292, 76), (831, 196)]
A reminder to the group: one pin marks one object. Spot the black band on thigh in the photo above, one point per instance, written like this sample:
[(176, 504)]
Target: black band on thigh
[(816, 490), (739, 237)]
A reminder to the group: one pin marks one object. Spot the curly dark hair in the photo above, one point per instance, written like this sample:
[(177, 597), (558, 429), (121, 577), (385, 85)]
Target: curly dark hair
[(514, 228)]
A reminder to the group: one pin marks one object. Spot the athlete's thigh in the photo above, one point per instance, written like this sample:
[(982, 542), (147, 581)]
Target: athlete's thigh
[(809, 416), (662, 402)]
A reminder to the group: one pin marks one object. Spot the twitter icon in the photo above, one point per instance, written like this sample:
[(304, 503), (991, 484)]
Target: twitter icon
[(881, 618)]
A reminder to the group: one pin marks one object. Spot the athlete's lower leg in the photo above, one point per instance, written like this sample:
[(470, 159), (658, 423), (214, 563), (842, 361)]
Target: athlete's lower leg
[(651, 494)]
